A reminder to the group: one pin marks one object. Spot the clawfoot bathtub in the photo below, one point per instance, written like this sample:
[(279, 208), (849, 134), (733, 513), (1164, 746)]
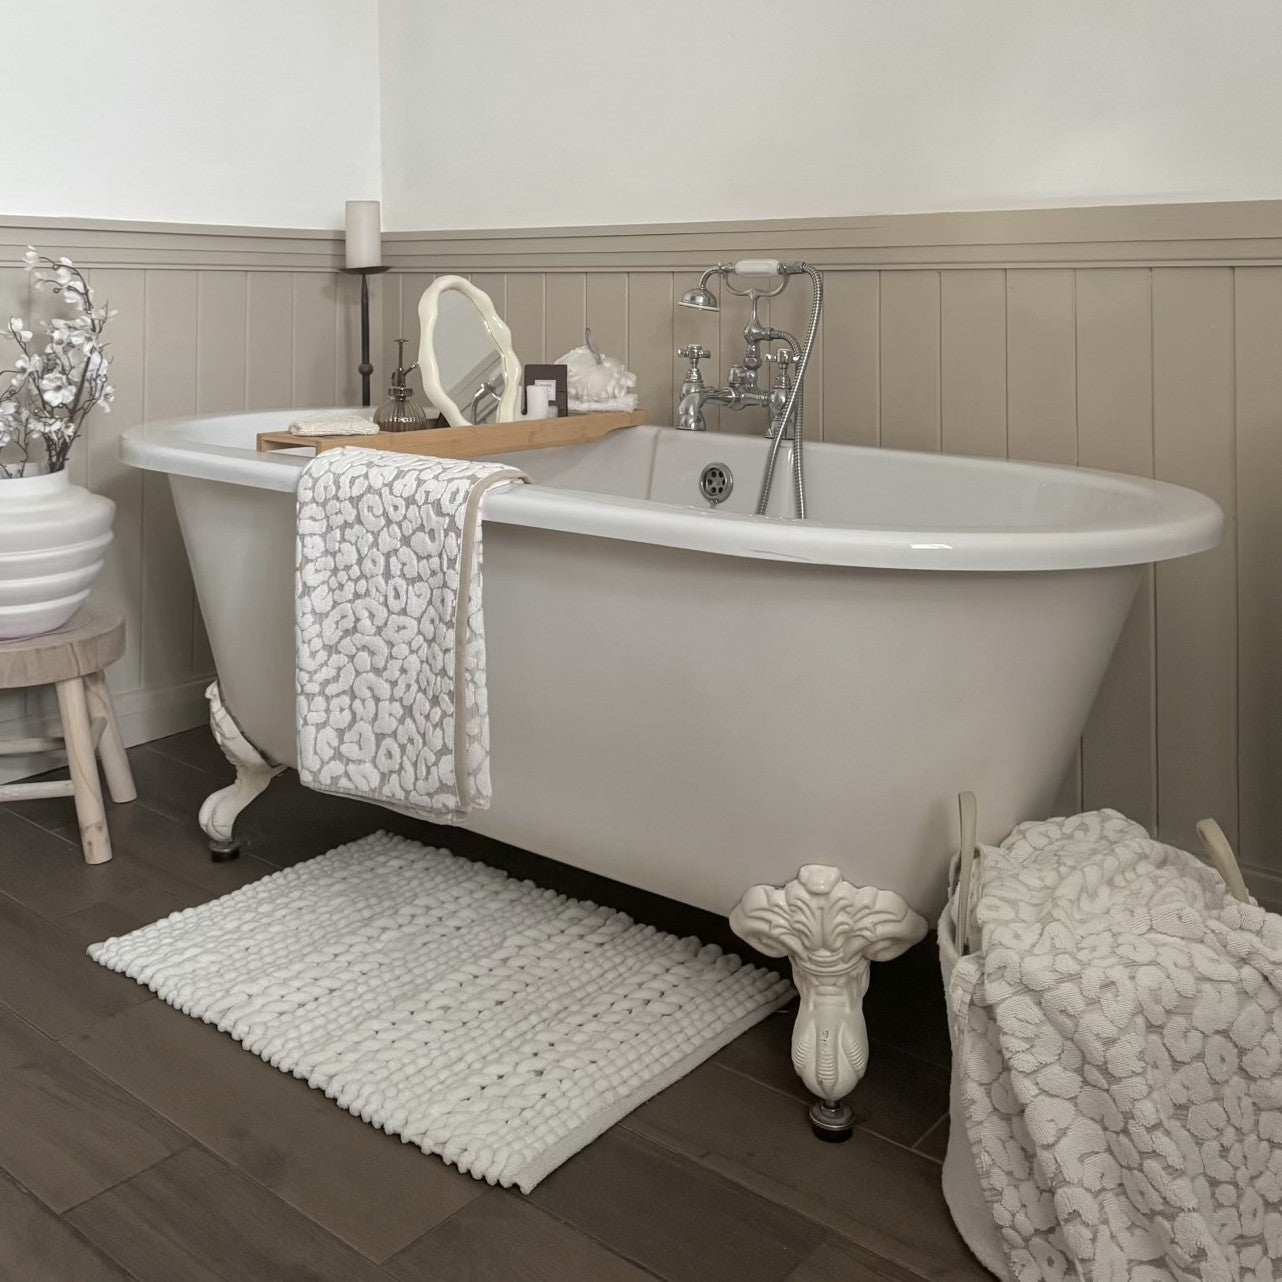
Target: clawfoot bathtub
[(696, 701)]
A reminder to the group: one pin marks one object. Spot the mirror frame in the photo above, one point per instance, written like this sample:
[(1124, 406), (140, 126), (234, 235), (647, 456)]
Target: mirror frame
[(429, 309)]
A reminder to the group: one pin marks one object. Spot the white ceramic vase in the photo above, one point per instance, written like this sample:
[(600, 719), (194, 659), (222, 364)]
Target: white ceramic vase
[(53, 536)]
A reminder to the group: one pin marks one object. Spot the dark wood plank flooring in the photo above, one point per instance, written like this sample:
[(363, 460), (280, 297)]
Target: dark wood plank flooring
[(138, 1143)]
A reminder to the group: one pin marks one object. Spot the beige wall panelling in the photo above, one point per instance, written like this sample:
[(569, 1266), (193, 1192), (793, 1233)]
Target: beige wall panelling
[(852, 368), (790, 311), (315, 338), (1193, 387), (15, 297), (605, 310), (223, 302), (910, 360), (169, 385), (691, 326), (565, 312), (269, 340), (651, 345), (1115, 431), (1258, 329), (1041, 343), (525, 307), (120, 583), (972, 358)]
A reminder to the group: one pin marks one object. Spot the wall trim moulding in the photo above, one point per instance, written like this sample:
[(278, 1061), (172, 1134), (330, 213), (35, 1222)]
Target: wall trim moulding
[(115, 243), (1239, 232)]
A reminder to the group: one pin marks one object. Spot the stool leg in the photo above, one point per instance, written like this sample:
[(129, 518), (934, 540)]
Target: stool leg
[(94, 838), (111, 748)]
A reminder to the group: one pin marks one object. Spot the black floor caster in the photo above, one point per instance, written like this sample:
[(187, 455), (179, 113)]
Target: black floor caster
[(832, 1123), (223, 852)]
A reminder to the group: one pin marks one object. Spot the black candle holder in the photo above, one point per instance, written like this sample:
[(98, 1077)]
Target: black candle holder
[(365, 367)]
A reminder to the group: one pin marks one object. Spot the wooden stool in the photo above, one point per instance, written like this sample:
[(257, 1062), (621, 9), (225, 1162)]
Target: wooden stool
[(72, 660)]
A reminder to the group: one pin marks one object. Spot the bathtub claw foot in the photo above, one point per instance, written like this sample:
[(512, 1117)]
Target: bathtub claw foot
[(829, 930), (253, 773)]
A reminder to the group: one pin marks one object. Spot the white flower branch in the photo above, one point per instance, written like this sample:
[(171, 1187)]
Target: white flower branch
[(49, 394)]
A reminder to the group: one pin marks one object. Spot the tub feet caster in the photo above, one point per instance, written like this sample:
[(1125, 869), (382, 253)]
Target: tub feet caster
[(834, 1123), (253, 773), (829, 930)]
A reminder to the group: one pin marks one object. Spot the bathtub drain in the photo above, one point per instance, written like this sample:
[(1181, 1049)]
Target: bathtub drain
[(715, 483)]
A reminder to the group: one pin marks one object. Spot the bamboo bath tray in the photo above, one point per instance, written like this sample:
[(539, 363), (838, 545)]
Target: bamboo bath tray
[(469, 442)]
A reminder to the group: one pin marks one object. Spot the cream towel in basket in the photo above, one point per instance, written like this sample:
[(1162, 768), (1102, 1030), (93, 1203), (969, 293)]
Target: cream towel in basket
[(1117, 1038), (390, 631)]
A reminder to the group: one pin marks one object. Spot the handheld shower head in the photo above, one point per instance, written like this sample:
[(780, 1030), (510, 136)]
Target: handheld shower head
[(701, 298)]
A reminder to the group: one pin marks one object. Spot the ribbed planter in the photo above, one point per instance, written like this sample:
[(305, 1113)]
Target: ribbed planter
[(53, 536)]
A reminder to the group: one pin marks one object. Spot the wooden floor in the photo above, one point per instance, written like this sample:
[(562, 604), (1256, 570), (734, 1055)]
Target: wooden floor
[(138, 1143)]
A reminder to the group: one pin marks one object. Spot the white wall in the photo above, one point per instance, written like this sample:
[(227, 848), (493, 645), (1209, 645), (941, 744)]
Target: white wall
[(258, 112), (601, 111)]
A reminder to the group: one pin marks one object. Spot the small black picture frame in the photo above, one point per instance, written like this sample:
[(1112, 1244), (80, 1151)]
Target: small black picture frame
[(557, 379)]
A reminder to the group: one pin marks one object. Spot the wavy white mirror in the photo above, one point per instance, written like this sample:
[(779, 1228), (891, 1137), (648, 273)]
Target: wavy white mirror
[(470, 372)]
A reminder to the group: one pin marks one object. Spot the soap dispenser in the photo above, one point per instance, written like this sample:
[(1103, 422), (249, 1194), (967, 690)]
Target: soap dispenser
[(402, 413)]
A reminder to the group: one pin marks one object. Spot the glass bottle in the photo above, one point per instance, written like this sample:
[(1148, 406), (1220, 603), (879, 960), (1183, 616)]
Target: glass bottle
[(402, 413)]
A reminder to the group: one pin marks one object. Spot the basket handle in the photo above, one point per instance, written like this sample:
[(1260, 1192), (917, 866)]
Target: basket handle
[(1219, 854), (968, 812)]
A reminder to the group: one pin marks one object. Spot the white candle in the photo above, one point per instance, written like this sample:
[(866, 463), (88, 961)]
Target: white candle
[(364, 234)]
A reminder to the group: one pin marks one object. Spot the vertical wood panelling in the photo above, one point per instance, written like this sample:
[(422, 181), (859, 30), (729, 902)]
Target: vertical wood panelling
[(169, 390), (972, 358), (269, 340), (1193, 404), (525, 316), (564, 313), (606, 311), (1041, 366), (315, 334), (910, 360), (220, 352), (1258, 329), (852, 372), (651, 347), (1115, 431), (120, 582)]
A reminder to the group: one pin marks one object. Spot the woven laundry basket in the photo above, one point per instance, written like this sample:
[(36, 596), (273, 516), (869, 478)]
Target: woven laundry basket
[(962, 1191)]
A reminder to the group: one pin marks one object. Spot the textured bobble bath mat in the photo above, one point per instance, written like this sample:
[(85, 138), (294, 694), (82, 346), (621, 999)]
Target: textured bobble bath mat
[(498, 1025)]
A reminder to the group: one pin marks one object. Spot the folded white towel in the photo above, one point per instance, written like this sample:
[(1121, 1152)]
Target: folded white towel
[(390, 632), (333, 423), (614, 405)]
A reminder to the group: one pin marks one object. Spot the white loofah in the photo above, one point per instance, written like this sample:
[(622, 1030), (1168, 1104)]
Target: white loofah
[(484, 1019), (593, 385)]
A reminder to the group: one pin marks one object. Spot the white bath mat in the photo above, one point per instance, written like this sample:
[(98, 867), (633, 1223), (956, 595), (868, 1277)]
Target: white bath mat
[(484, 1019)]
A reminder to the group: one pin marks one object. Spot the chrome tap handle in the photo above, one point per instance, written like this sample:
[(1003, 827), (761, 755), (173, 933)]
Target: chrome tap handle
[(693, 353)]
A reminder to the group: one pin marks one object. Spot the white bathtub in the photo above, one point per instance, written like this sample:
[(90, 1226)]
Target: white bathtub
[(693, 701)]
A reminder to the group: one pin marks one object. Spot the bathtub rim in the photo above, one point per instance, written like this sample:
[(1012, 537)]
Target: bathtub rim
[(1185, 521)]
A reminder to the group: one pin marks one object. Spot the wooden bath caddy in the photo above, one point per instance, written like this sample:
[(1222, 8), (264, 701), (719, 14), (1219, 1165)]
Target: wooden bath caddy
[(469, 442)]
